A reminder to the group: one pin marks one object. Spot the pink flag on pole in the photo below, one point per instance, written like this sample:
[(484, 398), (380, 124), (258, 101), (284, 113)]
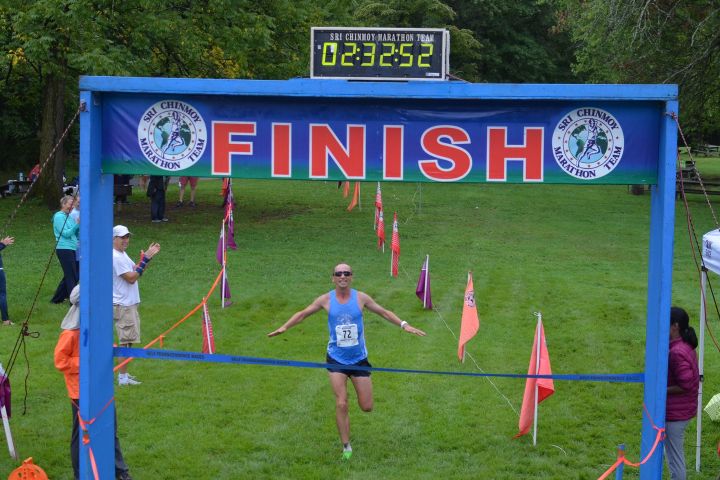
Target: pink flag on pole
[(207, 330), (395, 248), (229, 220), (470, 323), (378, 206), (423, 286), (226, 191), (536, 389)]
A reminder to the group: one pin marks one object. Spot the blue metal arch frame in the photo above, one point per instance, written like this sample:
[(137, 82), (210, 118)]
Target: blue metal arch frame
[(96, 355)]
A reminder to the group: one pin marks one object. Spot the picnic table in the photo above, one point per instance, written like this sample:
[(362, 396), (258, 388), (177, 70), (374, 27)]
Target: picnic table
[(708, 150), (687, 180), (22, 186), (14, 186)]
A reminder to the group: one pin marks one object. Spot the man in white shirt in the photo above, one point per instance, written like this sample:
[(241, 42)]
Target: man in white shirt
[(126, 293)]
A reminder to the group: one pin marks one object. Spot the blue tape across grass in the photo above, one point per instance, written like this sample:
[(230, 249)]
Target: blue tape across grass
[(242, 360)]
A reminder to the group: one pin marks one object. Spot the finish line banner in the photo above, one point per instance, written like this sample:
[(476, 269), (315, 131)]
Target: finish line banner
[(382, 139)]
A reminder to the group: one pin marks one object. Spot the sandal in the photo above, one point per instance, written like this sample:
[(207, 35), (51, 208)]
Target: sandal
[(7, 323)]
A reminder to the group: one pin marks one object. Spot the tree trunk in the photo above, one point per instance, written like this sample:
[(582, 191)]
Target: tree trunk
[(52, 125)]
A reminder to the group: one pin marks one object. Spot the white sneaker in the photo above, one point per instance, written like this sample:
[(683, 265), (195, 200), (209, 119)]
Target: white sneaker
[(127, 380)]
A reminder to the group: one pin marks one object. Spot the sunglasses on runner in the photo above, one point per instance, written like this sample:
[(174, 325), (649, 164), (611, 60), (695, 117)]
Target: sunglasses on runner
[(343, 274)]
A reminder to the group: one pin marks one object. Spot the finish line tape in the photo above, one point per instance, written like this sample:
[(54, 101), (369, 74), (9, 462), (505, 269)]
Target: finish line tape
[(242, 360)]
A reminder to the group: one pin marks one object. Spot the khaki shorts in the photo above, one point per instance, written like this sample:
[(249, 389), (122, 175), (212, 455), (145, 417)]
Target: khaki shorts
[(127, 324)]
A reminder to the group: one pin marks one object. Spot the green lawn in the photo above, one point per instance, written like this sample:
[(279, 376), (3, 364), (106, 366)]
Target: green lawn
[(576, 254)]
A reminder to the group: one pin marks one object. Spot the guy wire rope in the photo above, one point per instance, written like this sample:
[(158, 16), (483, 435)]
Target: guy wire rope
[(692, 232), (24, 332)]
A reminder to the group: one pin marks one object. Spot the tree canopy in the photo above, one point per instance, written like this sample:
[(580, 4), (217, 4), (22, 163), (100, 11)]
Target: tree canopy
[(653, 41), (48, 44)]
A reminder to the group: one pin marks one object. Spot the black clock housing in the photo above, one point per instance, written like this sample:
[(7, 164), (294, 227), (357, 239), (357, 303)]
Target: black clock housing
[(379, 53)]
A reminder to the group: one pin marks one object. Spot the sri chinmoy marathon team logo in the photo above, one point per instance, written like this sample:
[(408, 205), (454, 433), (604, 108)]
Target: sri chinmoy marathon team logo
[(588, 143), (172, 135), (470, 299)]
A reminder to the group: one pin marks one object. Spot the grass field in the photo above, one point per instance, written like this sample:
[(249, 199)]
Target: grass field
[(576, 254)]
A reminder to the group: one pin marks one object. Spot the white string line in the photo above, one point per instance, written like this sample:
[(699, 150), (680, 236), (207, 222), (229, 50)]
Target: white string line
[(415, 207), (437, 312), (469, 354)]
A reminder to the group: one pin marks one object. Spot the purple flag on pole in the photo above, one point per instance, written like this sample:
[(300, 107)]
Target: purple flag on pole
[(225, 293), (423, 286), (231, 233), (219, 253), (5, 393)]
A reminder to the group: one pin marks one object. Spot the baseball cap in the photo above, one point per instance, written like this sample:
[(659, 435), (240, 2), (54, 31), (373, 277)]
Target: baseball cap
[(120, 231)]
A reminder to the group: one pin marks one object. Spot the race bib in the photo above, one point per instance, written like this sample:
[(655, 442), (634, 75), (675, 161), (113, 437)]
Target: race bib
[(346, 335)]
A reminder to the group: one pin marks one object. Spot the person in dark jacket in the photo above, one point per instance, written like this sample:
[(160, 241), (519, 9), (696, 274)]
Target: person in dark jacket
[(682, 390), (156, 192), (7, 241)]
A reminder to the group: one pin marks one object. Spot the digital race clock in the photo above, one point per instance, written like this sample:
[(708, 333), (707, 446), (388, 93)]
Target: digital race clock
[(379, 53)]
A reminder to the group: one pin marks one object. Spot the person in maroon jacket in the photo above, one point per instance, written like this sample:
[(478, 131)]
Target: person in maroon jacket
[(682, 390)]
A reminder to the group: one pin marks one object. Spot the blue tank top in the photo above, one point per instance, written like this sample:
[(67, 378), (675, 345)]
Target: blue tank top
[(347, 332)]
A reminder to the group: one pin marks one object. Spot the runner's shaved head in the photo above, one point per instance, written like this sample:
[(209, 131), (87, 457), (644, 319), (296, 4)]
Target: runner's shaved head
[(341, 267)]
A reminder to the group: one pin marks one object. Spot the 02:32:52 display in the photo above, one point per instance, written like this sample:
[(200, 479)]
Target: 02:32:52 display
[(380, 54)]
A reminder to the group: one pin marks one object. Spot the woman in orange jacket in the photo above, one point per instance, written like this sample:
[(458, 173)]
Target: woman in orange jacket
[(67, 360)]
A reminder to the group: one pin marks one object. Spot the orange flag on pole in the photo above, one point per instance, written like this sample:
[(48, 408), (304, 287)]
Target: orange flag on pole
[(381, 230), (536, 389), (394, 248), (208, 345), (356, 195), (470, 323)]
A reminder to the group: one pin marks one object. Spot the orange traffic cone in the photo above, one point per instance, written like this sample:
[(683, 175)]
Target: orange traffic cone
[(28, 471)]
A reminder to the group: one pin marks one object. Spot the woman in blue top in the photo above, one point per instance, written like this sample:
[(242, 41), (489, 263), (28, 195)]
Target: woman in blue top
[(66, 235), (7, 241), (346, 346)]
